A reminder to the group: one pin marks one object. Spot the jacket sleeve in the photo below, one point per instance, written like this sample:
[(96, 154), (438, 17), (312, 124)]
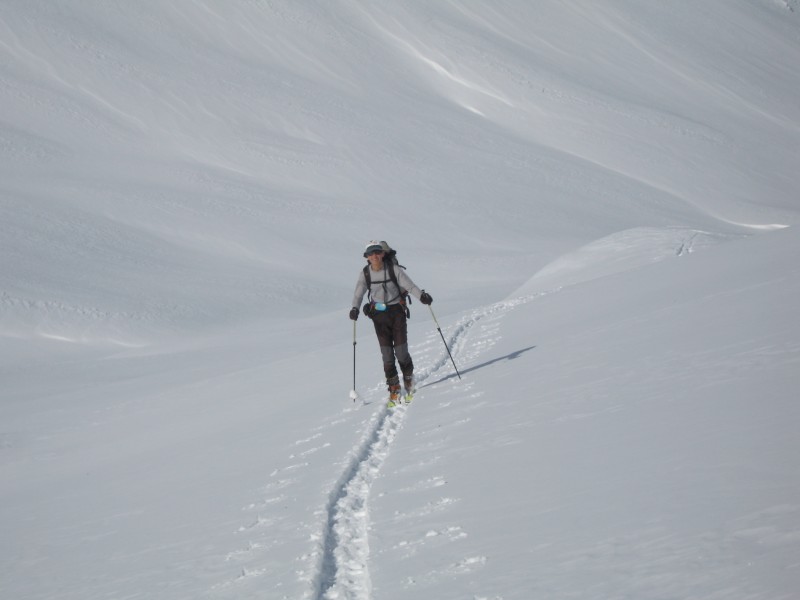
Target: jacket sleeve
[(361, 289), (406, 283)]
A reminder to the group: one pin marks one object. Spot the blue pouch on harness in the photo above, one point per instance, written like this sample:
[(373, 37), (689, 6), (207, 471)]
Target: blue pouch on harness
[(370, 308)]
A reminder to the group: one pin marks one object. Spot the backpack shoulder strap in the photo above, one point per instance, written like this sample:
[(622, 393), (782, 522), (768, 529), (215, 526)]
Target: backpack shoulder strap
[(405, 297), (368, 279), (366, 276), (390, 268), (393, 275)]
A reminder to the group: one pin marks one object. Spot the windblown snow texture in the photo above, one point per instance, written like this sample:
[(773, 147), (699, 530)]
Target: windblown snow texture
[(602, 199)]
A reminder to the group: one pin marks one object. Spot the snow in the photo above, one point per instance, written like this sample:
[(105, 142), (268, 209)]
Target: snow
[(600, 197)]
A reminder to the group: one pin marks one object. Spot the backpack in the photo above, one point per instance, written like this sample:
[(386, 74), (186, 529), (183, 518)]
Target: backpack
[(390, 263)]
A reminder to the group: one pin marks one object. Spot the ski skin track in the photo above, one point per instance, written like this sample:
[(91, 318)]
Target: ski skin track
[(343, 568)]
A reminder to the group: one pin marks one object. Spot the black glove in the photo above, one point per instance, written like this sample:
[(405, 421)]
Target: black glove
[(354, 313), (425, 297)]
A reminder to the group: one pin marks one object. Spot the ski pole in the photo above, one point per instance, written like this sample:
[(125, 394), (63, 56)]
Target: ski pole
[(353, 392), (445, 343), (354, 355)]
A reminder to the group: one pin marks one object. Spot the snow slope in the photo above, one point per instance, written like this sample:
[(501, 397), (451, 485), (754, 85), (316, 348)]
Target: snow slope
[(601, 198)]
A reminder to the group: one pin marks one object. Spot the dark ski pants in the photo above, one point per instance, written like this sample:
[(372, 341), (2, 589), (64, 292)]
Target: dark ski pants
[(391, 329)]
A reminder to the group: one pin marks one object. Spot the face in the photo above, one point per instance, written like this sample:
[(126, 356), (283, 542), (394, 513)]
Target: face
[(375, 259)]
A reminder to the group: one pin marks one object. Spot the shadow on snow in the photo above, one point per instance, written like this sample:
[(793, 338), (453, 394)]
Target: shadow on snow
[(489, 363)]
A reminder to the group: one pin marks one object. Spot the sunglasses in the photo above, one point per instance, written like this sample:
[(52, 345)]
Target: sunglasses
[(373, 252)]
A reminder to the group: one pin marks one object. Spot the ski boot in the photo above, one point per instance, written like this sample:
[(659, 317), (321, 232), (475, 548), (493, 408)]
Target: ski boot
[(394, 395), (411, 388)]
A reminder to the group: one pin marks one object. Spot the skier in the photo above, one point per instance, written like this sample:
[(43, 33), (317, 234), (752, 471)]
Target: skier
[(387, 286)]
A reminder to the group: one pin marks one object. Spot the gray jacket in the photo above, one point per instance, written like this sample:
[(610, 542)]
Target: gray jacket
[(383, 288)]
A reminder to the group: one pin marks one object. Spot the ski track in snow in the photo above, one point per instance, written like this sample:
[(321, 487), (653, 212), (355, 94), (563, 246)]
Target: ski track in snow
[(343, 570), (338, 563)]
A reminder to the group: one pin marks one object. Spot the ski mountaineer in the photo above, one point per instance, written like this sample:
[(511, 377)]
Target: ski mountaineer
[(386, 289)]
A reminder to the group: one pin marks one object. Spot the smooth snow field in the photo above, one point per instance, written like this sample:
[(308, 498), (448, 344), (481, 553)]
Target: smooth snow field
[(602, 199)]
